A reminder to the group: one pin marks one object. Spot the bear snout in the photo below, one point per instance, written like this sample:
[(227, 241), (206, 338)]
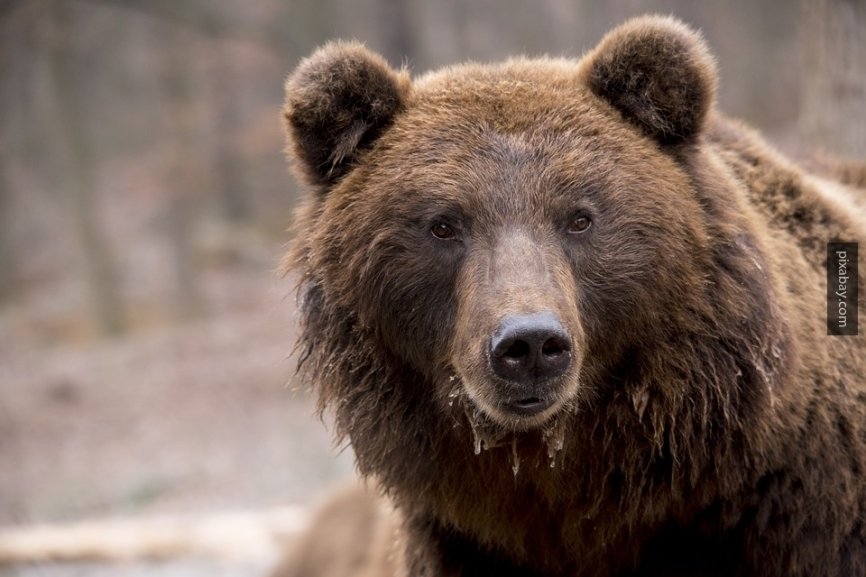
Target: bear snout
[(527, 351)]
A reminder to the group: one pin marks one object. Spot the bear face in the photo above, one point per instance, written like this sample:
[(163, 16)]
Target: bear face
[(566, 314), (487, 223), (510, 216)]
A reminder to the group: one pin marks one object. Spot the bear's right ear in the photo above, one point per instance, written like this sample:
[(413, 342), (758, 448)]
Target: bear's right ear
[(338, 101)]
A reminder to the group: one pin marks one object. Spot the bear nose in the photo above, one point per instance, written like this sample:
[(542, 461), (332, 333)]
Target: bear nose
[(529, 349)]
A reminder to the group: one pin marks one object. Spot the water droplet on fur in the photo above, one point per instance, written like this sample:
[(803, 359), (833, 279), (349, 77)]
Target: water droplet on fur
[(454, 394), (485, 435), (640, 400), (452, 378), (554, 437), (515, 458)]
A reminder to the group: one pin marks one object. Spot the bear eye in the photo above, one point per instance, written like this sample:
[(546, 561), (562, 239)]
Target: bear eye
[(579, 224), (442, 231)]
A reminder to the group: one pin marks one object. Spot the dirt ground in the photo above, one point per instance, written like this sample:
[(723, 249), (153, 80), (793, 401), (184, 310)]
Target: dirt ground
[(187, 420)]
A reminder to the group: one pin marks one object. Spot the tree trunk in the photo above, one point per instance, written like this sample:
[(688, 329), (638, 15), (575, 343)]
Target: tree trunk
[(226, 105), (834, 76), (7, 256), (72, 135), (185, 173)]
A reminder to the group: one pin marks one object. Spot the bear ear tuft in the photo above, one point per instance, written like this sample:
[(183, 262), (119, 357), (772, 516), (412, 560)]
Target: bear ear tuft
[(658, 73), (338, 101)]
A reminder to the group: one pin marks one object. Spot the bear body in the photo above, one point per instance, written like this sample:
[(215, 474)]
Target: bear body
[(572, 319), (352, 534)]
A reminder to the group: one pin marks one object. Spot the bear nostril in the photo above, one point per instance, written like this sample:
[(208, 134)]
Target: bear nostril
[(517, 350), (554, 346)]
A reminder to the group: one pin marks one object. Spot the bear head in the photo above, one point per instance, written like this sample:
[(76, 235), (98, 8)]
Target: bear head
[(517, 240)]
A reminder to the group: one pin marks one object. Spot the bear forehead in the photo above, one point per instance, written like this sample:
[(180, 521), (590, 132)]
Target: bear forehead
[(525, 96), (487, 168), (471, 123), (519, 111), (516, 72)]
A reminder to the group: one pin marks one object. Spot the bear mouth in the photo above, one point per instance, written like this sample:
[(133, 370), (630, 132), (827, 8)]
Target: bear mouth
[(509, 413), (529, 406)]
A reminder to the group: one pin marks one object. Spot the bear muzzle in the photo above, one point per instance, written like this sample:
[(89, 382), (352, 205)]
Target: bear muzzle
[(527, 352)]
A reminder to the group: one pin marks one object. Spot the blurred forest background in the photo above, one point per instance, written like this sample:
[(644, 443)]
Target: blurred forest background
[(144, 196)]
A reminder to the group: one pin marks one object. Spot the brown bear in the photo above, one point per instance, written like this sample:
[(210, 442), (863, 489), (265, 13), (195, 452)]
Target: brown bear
[(572, 319), (353, 534)]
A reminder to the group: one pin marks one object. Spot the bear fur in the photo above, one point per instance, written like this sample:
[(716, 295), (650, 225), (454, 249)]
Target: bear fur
[(353, 534), (704, 423)]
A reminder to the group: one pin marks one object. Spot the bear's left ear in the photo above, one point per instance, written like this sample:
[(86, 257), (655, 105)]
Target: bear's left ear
[(338, 101), (658, 73)]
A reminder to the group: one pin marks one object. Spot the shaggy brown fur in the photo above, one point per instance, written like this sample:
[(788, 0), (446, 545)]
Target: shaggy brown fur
[(354, 534), (705, 424), (846, 171)]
